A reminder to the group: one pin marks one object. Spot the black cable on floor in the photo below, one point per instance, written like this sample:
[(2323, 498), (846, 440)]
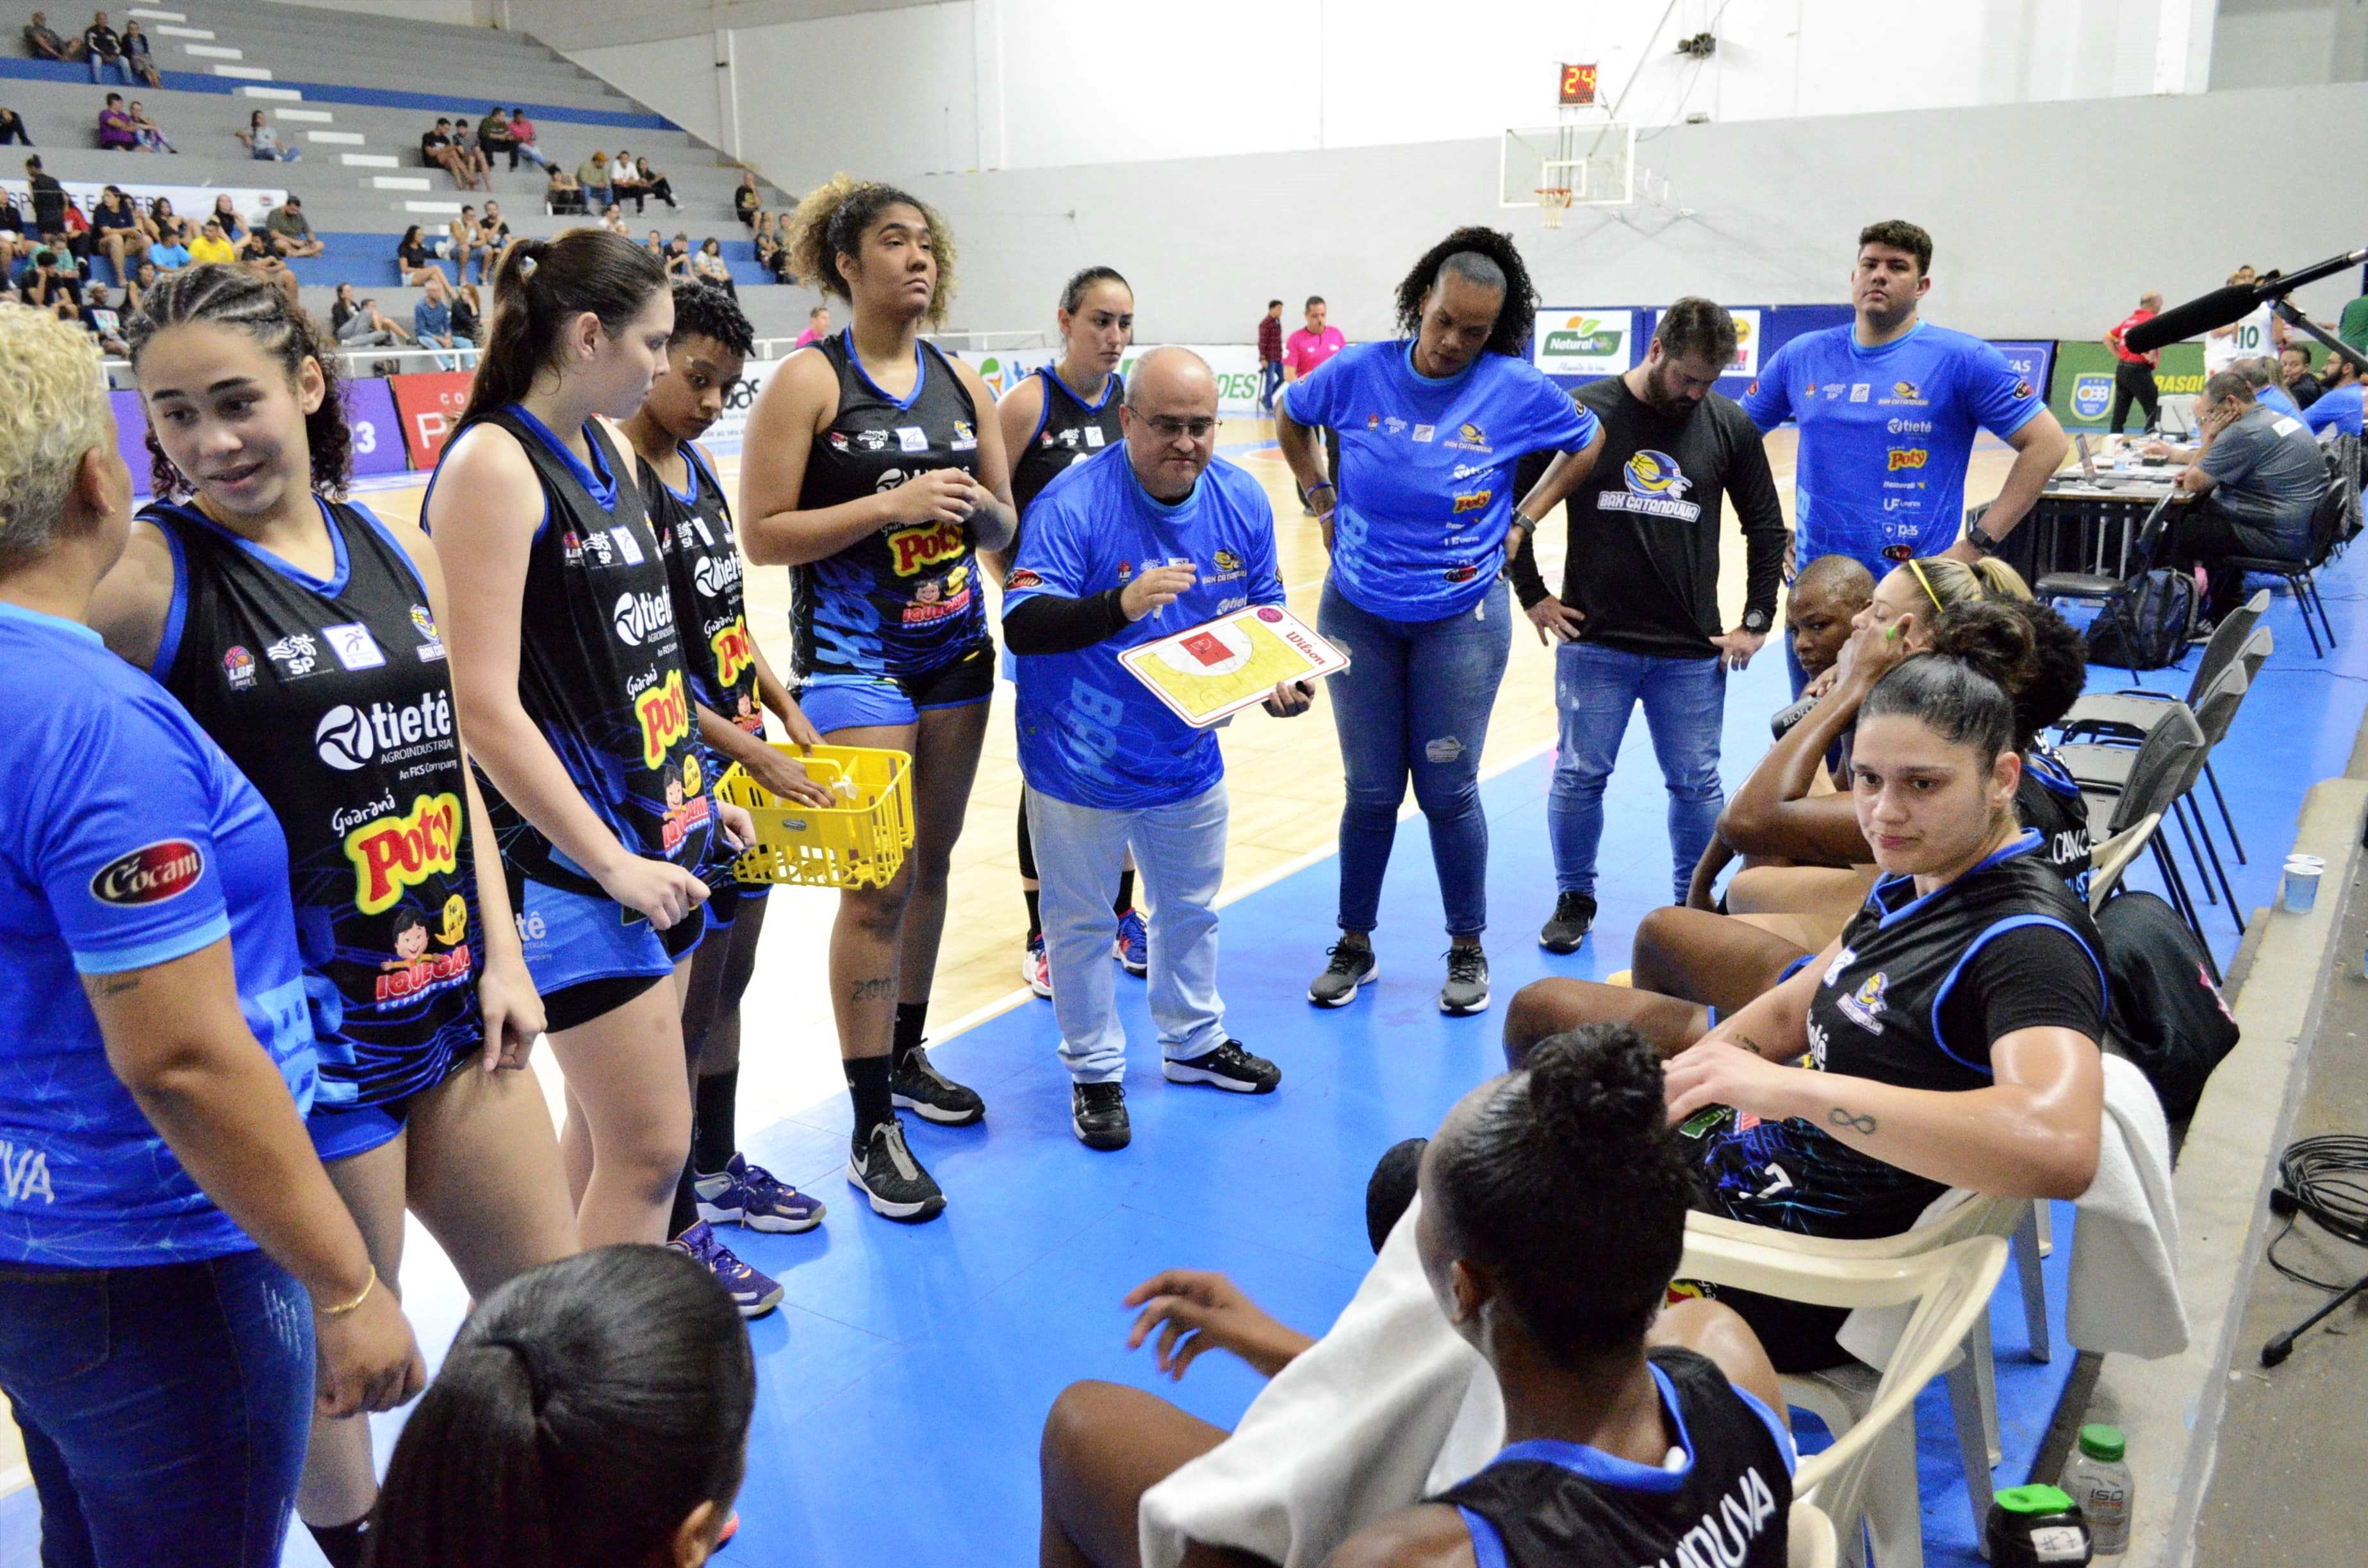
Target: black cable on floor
[(2327, 1178)]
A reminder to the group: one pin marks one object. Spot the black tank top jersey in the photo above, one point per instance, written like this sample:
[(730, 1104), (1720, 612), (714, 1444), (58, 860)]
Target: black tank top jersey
[(1551, 1504), (703, 570), (334, 698), (600, 664), (1068, 431), (2048, 800), (903, 601)]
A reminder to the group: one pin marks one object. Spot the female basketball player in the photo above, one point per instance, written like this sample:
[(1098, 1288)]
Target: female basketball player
[(1058, 414), (1431, 428), (729, 677), (568, 667), (302, 634), (868, 468)]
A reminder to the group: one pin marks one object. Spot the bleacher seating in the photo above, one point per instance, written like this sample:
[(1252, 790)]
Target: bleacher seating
[(355, 93)]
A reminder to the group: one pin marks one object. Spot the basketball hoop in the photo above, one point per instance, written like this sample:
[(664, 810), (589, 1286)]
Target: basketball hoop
[(1553, 200)]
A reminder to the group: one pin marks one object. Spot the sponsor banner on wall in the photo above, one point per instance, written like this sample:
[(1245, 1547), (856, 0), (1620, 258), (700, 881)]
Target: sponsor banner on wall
[(378, 431), (430, 407), (2082, 395), (738, 401), (2031, 361), (1236, 366), (190, 201), (1748, 329), (1573, 341)]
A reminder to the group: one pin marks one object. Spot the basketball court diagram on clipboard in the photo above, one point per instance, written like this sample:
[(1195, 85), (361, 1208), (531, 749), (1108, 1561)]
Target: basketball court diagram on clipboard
[(1209, 672)]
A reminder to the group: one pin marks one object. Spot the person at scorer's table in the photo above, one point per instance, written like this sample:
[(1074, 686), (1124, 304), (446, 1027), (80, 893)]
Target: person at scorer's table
[(2258, 476), (2337, 406), (1083, 590), (1637, 619), (2294, 369), (1888, 408), (1432, 426), (177, 1258)]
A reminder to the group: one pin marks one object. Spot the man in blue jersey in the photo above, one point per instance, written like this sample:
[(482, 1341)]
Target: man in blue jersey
[(1888, 407), (2337, 405), (1148, 538)]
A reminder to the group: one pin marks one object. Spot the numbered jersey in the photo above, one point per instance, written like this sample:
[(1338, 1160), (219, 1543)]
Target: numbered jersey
[(332, 697), (1069, 430), (600, 664), (904, 601)]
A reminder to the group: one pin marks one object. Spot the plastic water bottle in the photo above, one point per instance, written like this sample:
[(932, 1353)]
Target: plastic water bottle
[(2099, 1482), (2036, 1526)]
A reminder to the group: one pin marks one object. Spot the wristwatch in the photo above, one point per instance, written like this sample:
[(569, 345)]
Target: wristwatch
[(1980, 541), (1755, 621)]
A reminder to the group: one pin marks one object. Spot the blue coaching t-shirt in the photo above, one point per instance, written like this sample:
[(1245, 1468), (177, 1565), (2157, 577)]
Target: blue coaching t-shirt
[(1885, 436), (127, 839), (1089, 733), (2338, 410), (1426, 469)]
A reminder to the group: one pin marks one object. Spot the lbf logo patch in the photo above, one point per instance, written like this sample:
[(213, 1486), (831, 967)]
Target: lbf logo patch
[(150, 874)]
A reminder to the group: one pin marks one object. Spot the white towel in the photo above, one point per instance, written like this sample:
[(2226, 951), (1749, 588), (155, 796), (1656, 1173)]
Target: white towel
[(1387, 1409)]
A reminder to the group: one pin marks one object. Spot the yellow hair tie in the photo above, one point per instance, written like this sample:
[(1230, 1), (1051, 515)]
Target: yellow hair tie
[(1918, 567)]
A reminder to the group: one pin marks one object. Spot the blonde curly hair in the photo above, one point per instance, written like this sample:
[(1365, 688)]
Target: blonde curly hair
[(56, 410), (829, 224)]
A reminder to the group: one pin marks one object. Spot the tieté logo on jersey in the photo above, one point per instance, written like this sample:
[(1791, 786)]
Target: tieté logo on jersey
[(641, 618), (343, 738), (150, 874)]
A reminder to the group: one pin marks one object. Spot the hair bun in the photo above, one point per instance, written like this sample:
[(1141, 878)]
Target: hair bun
[(1595, 1086), (1990, 637)]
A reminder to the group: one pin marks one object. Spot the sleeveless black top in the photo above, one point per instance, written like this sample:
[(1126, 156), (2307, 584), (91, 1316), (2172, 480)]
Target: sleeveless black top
[(1069, 430), (903, 601), (2048, 800), (703, 572), (1551, 1504), (334, 698), (600, 665)]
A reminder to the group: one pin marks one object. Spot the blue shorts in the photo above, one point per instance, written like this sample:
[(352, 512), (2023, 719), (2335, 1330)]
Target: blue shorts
[(573, 938), (341, 1133), (833, 702)]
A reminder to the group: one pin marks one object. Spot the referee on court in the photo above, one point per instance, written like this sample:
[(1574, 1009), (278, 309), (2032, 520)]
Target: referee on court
[(2133, 371)]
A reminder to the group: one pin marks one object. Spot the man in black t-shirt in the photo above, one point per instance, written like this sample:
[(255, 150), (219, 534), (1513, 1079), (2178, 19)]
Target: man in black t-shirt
[(1638, 618)]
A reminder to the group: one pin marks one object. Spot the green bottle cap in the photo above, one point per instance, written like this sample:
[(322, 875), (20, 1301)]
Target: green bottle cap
[(2034, 1500), (2102, 1442)]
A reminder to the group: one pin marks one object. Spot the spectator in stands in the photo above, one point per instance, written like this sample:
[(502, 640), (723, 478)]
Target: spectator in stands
[(678, 256), (431, 321), (468, 315), (168, 255), (360, 325), (562, 194), (817, 326), (657, 184), (709, 266), (144, 278), (14, 221), (137, 54), (212, 246), (114, 232), (747, 199), (103, 48), (2260, 373), (43, 45), (49, 196), (115, 129), (161, 224), (592, 174), (614, 221), (12, 127), (2337, 407), (494, 235), (471, 157), (459, 243), (625, 182), (289, 232), (234, 223), (104, 322), (263, 143), (2294, 369), (436, 147), (55, 283), (151, 134), (415, 259), (522, 140), (493, 134), (2260, 477), (656, 245), (256, 255)]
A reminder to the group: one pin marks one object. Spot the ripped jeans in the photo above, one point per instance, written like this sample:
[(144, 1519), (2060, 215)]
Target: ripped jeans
[(1415, 699)]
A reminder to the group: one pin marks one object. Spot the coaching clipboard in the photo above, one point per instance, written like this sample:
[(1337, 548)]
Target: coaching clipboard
[(1211, 671)]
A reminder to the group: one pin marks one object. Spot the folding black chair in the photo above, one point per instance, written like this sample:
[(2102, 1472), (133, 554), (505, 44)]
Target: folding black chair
[(2301, 576), (2099, 588)]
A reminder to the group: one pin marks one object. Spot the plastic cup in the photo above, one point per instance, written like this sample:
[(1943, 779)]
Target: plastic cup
[(2299, 894)]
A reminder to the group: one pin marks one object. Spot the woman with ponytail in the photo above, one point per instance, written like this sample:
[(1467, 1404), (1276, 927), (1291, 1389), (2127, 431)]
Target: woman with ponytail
[(591, 1413), (1552, 1215), (303, 633), (875, 468), (568, 669)]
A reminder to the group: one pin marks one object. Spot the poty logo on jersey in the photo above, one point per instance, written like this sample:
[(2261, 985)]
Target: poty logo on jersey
[(1656, 475), (641, 618), (396, 853), (2092, 395), (347, 737), (1865, 1006), (150, 874), (665, 716), (917, 549), (734, 652), (1906, 457), (716, 575), (1473, 500)]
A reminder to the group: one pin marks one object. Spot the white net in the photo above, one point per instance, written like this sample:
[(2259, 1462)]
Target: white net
[(1580, 162)]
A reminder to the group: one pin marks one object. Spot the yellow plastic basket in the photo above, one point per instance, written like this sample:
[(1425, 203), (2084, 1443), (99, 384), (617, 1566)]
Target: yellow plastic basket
[(859, 845)]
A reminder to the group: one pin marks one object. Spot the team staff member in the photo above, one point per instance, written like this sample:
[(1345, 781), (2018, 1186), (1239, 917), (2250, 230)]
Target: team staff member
[(2133, 371), (2337, 405), (2294, 369), (1637, 619), (1269, 342), (867, 468), (302, 634), (1302, 352), (729, 677), (1888, 407), (1435, 423), (1061, 415), (567, 666), (1107, 763), (166, 1214), (2260, 476)]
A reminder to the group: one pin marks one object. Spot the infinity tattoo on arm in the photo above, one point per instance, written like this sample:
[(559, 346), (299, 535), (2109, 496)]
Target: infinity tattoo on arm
[(1842, 1117)]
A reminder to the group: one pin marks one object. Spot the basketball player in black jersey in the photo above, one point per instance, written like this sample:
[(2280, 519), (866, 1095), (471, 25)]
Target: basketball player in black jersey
[(1552, 1215), (568, 667), (873, 465), (729, 678), (303, 633), (1062, 414)]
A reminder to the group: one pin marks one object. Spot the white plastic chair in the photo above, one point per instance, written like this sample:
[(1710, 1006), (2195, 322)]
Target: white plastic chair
[(1869, 1471), (1809, 1537)]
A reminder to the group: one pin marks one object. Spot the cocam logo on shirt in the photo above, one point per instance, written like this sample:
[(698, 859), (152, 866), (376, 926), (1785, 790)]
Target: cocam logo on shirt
[(150, 874), (1907, 457), (398, 852), (641, 618)]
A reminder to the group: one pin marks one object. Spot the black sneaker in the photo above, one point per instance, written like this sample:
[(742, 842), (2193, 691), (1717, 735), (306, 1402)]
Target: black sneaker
[(1098, 1115), (918, 1087), (1227, 1067), (1352, 965), (1466, 990), (1574, 916), (889, 1175)]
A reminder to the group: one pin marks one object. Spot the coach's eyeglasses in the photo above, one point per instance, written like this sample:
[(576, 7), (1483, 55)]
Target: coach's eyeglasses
[(1167, 429)]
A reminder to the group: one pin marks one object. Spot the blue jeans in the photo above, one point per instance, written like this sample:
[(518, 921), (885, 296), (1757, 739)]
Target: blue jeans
[(1269, 383), (1596, 689), (120, 65), (1393, 724), (165, 1409), (1180, 847)]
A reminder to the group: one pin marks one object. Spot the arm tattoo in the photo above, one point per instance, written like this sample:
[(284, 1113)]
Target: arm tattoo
[(1840, 1116), (1750, 1045), (873, 990), (118, 984)]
